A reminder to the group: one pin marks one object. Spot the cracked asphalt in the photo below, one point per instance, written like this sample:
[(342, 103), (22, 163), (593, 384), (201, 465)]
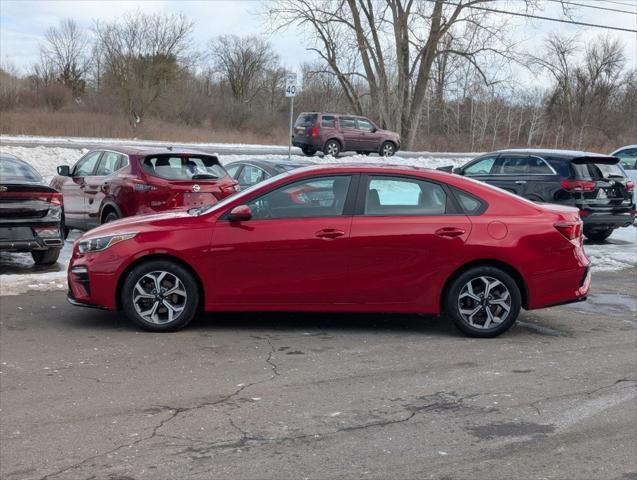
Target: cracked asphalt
[(84, 395)]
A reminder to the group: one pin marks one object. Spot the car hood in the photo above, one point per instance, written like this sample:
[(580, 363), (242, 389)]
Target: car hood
[(140, 223)]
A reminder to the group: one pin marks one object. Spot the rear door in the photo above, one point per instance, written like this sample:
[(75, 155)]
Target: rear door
[(525, 175), (405, 235), (73, 190), (350, 132)]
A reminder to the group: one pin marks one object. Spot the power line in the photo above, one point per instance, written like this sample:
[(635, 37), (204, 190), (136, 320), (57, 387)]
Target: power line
[(563, 2), (618, 3), (550, 19)]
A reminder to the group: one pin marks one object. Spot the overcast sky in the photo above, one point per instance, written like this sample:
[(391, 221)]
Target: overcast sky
[(23, 23)]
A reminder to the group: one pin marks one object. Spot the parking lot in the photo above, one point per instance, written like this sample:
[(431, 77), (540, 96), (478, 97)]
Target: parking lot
[(86, 395)]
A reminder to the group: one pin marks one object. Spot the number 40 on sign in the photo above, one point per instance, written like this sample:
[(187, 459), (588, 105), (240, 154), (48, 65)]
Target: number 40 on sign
[(290, 85)]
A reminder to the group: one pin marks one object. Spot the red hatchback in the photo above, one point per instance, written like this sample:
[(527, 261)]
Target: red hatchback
[(340, 238), (108, 184)]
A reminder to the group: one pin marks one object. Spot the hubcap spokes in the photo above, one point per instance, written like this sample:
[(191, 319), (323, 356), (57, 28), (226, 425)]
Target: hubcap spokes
[(387, 150), (159, 297), (484, 302)]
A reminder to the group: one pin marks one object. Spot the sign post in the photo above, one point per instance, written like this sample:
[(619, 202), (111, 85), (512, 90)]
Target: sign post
[(290, 91)]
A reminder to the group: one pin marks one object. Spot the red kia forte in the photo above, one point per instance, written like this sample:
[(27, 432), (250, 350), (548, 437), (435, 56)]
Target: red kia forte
[(340, 238)]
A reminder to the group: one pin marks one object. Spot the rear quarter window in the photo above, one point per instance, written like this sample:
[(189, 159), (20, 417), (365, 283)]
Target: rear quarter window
[(306, 120)]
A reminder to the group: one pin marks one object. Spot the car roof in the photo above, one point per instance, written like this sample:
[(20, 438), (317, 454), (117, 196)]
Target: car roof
[(564, 154), (369, 168), (623, 148), (268, 162), (147, 151)]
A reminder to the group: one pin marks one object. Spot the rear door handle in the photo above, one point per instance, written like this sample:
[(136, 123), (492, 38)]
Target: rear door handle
[(329, 233), (520, 182), (450, 232)]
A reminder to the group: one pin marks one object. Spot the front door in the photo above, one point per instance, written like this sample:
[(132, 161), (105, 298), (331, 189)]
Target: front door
[(403, 241), (73, 190), (350, 132), (293, 251)]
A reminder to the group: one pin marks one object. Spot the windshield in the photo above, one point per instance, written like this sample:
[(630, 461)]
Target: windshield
[(13, 170), (184, 167), (243, 193)]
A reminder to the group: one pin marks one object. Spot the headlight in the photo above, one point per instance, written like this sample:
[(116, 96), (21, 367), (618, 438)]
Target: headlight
[(97, 244)]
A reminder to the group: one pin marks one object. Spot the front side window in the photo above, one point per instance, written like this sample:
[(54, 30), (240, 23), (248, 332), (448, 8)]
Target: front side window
[(185, 168), (251, 175), (347, 122), (318, 197), (365, 125), (404, 196), (481, 167), (109, 163), (86, 166)]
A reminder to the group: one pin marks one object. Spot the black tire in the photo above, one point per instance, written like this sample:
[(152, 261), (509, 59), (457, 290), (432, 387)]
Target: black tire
[(65, 232), (387, 149), (110, 217), (598, 235), (482, 326), (332, 147), (142, 273), (46, 257), (308, 151)]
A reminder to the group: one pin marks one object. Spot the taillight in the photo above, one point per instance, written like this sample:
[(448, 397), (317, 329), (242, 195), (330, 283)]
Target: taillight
[(630, 186), (53, 198), (570, 230), (231, 188), (56, 199), (578, 185), (584, 213), (313, 132)]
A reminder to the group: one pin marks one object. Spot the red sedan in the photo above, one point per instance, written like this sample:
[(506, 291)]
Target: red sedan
[(340, 238)]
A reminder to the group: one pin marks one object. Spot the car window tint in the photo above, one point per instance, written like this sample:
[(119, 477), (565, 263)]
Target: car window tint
[(538, 166), (123, 161), (14, 170), (86, 166), (402, 196), (188, 167), (470, 204), (481, 167), (233, 170), (108, 164), (628, 158), (513, 166), (365, 125), (251, 175), (305, 120), (319, 197), (328, 121), (591, 170), (347, 122)]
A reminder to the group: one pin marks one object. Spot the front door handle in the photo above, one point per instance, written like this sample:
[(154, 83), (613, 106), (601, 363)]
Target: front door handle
[(520, 182), (329, 233), (450, 232)]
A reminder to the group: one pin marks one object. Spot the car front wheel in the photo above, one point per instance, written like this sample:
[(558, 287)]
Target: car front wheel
[(387, 149), (160, 296), (483, 302), (598, 235)]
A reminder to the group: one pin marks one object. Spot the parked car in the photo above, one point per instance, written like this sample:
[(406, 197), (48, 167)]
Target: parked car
[(593, 183), (333, 133), (251, 172), (628, 160), (340, 238), (30, 212), (108, 184)]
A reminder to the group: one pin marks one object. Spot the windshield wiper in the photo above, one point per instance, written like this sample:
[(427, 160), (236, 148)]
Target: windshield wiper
[(204, 176)]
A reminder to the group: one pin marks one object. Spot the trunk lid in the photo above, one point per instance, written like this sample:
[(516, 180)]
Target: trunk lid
[(24, 200)]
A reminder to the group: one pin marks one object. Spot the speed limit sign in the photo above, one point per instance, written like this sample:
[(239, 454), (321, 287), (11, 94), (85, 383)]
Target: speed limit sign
[(290, 85)]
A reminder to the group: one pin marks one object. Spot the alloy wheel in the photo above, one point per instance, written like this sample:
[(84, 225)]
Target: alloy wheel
[(388, 150), (332, 149), (159, 297), (484, 302)]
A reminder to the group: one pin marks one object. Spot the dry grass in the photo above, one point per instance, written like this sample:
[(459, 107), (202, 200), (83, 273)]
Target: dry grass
[(83, 124)]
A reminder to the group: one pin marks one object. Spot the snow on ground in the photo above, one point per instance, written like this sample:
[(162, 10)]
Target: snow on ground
[(18, 273)]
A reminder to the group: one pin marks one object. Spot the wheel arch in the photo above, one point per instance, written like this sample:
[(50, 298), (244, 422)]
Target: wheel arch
[(109, 206), (336, 139), (152, 257), (487, 262)]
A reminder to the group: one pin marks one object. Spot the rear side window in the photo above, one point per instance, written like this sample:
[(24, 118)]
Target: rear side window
[(347, 122), (306, 120), (186, 167), (596, 170), (328, 121), (404, 196), (17, 171)]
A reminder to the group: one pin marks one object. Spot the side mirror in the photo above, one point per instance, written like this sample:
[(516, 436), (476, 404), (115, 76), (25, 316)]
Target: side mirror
[(64, 170), (448, 168), (240, 213), (457, 171)]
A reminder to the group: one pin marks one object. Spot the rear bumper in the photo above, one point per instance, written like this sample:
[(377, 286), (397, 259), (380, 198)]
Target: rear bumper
[(303, 142), (604, 219), (559, 288), (24, 239)]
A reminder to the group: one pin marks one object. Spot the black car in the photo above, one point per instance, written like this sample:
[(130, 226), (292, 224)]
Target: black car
[(31, 212), (591, 182), (250, 172)]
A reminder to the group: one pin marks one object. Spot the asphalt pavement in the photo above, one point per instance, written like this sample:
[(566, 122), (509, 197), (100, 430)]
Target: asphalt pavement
[(83, 394)]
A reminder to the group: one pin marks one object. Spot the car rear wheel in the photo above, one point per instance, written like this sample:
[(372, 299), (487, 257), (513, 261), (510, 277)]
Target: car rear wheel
[(308, 151), (483, 302), (160, 296), (387, 149), (46, 257), (598, 235), (332, 148)]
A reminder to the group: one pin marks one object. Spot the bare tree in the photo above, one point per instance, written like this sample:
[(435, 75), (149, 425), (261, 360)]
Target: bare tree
[(65, 50), (143, 55)]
